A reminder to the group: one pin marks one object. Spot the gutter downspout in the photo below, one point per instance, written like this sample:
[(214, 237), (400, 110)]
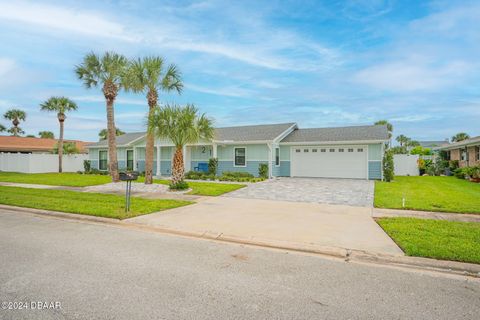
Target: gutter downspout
[(270, 175)]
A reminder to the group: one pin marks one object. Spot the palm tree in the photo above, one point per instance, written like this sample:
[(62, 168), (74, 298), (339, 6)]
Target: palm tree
[(68, 148), (148, 76), (46, 135), (460, 137), (60, 105), (2, 128), (103, 133), (15, 115), (182, 125), (403, 140), (107, 71)]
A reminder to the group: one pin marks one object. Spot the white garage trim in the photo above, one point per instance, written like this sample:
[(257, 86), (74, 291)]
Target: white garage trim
[(329, 164)]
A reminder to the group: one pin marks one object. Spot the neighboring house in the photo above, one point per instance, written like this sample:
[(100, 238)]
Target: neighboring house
[(433, 145), (34, 145), (467, 152), (347, 152)]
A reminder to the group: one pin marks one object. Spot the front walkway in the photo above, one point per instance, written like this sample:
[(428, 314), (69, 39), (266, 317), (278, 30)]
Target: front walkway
[(278, 223), (352, 192)]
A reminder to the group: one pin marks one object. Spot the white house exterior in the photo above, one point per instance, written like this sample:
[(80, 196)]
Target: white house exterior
[(343, 152)]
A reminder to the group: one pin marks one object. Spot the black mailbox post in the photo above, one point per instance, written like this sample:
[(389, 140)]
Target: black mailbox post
[(128, 177)]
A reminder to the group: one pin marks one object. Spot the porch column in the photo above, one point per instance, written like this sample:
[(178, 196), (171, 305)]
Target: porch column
[(188, 158), (214, 150), (270, 160), (135, 159), (158, 159)]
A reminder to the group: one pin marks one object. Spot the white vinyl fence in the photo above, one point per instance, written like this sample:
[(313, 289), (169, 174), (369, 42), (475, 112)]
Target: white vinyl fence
[(405, 164), (40, 162)]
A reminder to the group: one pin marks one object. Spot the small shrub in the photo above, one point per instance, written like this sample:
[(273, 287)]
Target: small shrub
[(454, 165), (235, 174), (87, 166), (80, 172), (388, 171), (212, 166), (181, 185), (460, 173), (263, 170)]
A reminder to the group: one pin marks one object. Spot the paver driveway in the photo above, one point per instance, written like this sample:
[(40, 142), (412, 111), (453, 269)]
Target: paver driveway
[(353, 192)]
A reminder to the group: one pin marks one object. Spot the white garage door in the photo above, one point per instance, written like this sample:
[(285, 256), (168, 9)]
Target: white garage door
[(330, 162)]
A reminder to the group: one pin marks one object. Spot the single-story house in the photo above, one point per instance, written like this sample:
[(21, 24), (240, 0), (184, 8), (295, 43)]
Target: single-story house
[(467, 152), (35, 145), (433, 145), (346, 152)]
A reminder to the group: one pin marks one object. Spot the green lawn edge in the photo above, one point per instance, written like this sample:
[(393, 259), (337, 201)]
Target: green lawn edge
[(86, 203), (437, 239), (437, 194)]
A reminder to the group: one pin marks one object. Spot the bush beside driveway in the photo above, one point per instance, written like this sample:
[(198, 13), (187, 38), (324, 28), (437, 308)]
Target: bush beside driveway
[(442, 194)]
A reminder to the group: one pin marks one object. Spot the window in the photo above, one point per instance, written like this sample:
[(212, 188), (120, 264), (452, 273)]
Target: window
[(102, 157), (350, 150), (297, 150), (464, 155), (340, 150), (478, 153), (332, 150), (305, 150), (360, 150), (130, 160), (277, 156), (323, 150), (314, 150), (240, 160)]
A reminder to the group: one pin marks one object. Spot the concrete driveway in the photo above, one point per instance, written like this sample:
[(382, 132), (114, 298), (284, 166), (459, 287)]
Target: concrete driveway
[(353, 192), (278, 223)]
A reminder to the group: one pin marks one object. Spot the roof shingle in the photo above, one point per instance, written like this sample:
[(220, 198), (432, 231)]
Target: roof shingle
[(354, 133)]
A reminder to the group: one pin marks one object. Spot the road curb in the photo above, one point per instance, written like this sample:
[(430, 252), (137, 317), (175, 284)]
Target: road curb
[(449, 267)]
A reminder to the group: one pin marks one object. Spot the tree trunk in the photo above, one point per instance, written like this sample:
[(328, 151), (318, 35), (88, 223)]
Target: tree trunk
[(152, 98), (60, 146), (178, 170), (112, 144)]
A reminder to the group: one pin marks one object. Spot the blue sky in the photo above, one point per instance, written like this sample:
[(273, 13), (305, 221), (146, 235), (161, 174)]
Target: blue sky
[(317, 63)]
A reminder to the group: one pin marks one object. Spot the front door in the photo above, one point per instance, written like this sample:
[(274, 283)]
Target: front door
[(130, 160)]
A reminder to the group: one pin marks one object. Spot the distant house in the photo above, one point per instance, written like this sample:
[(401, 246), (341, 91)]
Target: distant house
[(345, 152), (35, 145), (434, 144), (467, 152)]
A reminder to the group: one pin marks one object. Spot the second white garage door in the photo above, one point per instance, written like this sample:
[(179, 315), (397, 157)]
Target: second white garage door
[(329, 162)]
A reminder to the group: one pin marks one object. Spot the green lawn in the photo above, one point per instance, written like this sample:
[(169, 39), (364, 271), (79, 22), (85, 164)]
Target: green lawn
[(444, 194), (439, 239), (83, 180), (55, 179), (94, 204), (208, 188)]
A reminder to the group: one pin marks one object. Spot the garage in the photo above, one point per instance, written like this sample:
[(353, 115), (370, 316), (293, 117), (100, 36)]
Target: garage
[(342, 161)]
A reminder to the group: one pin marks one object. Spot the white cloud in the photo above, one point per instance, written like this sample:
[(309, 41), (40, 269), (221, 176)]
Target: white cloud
[(66, 20), (410, 75), (6, 66), (224, 91)]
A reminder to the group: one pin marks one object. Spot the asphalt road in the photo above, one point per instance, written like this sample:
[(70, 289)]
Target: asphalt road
[(104, 272)]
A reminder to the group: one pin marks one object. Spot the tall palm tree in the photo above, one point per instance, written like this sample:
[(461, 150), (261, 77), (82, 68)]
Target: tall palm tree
[(46, 135), (149, 76), (15, 115), (104, 133), (60, 105), (107, 71), (403, 140), (460, 137), (182, 125)]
